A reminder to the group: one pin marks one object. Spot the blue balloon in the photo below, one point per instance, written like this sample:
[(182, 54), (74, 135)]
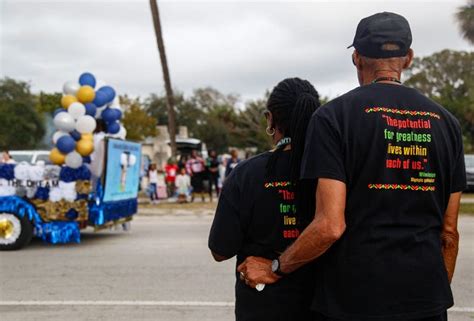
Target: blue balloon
[(87, 79), (113, 128), (109, 91), (66, 144), (101, 98), (75, 135), (86, 159), (91, 109), (58, 110), (118, 113), (72, 214), (109, 115)]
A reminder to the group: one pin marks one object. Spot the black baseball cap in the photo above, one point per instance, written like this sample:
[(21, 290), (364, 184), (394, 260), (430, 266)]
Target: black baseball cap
[(379, 29)]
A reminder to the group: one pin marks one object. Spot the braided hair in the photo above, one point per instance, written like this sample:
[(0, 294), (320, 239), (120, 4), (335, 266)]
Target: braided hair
[(292, 102)]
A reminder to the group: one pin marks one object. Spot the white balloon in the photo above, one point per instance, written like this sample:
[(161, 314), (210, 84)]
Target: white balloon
[(98, 113), (57, 135), (85, 124), (64, 122), (122, 134), (74, 160), (71, 88), (76, 110)]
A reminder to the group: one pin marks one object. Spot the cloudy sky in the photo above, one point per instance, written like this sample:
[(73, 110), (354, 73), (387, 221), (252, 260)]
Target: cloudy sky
[(242, 47)]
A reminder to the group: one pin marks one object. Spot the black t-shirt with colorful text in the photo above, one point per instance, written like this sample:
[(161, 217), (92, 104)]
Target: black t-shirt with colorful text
[(401, 156), (257, 216)]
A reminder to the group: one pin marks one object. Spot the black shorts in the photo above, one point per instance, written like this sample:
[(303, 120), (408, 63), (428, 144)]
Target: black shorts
[(197, 182), (441, 317)]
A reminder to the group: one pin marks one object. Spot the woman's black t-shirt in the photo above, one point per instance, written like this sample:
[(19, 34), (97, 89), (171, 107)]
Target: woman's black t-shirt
[(257, 216)]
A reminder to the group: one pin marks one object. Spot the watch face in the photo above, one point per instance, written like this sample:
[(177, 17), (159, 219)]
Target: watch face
[(275, 265)]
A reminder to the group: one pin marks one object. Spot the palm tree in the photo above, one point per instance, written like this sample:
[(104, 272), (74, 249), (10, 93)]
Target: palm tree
[(166, 76), (465, 16)]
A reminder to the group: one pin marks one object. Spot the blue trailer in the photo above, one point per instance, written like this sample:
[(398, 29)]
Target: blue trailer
[(35, 202)]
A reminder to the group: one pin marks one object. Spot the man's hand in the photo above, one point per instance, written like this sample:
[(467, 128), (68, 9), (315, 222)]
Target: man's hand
[(450, 235), (255, 270)]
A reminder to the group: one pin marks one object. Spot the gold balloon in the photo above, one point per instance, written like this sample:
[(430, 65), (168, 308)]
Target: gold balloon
[(87, 137), (84, 147), (85, 94), (67, 100), (57, 157)]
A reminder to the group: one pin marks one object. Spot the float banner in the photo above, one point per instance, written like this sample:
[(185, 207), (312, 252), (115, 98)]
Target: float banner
[(122, 175)]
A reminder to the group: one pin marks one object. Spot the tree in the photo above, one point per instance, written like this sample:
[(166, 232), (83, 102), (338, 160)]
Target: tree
[(166, 75), (447, 77), (209, 98), (465, 17), (21, 126), (217, 123), (136, 121), (48, 103), (186, 111), (252, 124)]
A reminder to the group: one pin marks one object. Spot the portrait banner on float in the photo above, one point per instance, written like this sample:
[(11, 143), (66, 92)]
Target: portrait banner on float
[(122, 175)]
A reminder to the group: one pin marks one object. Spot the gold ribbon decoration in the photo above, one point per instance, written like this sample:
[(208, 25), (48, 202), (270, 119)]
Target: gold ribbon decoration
[(56, 211), (83, 187)]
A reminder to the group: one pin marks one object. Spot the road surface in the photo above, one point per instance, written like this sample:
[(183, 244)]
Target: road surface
[(161, 270)]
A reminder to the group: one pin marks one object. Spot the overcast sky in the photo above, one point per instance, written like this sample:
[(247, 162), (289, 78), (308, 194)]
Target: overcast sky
[(242, 47)]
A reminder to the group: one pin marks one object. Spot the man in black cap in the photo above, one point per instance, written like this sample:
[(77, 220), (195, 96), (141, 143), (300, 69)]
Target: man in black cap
[(390, 170)]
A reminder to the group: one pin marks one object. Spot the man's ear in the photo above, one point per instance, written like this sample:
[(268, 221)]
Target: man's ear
[(356, 59), (409, 59)]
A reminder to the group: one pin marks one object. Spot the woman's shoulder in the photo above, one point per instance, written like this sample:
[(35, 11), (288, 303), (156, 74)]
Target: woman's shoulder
[(255, 163)]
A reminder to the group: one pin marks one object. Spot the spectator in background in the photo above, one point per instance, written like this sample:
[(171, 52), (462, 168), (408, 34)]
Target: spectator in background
[(183, 185), (153, 179), (213, 168), (171, 170), (232, 162), (222, 168), (6, 158), (196, 168), (182, 161), (161, 191)]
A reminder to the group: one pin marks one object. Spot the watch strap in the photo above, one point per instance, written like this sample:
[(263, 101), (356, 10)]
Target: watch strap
[(278, 271)]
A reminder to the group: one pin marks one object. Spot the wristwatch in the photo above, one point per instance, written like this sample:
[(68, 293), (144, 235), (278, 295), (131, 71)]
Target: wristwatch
[(276, 267)]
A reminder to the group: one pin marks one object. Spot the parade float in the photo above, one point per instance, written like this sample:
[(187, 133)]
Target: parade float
[(92, 180)]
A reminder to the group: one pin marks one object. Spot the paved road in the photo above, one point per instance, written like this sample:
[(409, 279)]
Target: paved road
[(161, 270)]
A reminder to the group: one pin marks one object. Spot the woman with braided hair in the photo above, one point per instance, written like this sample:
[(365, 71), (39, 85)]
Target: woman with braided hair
[(264, 206)]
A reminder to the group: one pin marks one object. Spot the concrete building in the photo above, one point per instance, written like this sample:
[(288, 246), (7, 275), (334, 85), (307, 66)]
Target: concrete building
[(157, 149)]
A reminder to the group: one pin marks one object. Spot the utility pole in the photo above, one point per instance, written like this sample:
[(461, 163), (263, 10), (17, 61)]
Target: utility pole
[(166, 76)]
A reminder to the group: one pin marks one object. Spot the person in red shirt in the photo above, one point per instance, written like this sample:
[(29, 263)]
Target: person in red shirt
[(171, 169)]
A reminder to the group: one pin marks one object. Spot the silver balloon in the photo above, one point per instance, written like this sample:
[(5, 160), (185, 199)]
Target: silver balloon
[(98, 112), (73, 160), (85, 124), (57, 135), (71, 88), (64, 122), (122, 134), (76, 110)]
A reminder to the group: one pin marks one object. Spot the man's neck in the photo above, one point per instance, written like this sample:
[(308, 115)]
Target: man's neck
[(381, 74)]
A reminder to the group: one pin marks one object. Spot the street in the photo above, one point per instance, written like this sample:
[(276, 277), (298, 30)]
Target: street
[(160, 270)]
